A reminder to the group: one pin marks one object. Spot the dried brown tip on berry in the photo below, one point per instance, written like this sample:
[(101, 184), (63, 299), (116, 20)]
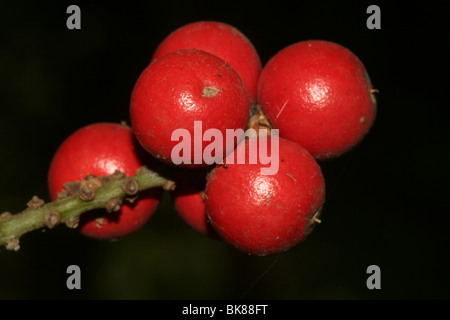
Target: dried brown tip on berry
[(13, 245), (99, 222), (210, 92), (72, 223), (113, 205), (362, 120), (35, 202), (169, 186), (259, 122), (130, 186), (52, 219), (86, 193)]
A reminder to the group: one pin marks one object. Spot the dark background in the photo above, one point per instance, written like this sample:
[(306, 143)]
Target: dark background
[(386, 200)]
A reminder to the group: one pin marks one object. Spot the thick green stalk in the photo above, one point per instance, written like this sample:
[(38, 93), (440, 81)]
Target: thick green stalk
[(68, 209)]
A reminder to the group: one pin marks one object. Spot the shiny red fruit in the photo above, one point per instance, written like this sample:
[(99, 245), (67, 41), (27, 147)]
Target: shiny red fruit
[(222, 40), (266, 214), (318, 94), (179, 89), (188, 199), (101, 149)]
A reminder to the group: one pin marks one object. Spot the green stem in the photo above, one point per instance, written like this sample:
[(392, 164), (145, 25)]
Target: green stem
[(68, 209)]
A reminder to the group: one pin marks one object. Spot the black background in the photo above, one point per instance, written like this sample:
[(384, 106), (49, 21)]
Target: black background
[(386, 200)]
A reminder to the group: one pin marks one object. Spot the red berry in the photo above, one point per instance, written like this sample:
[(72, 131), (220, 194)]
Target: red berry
[(188, 201), (318, 94), (101, 149), (266, 214), (222, 40), (180, 88)]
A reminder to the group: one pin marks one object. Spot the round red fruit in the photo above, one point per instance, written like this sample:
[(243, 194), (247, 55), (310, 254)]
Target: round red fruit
[(222, 40), (265, 214), (318, 94), (180, 96), (188, 199), (100, 149)]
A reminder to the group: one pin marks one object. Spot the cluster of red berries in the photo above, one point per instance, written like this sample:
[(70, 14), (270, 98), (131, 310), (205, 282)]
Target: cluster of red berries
[(317, 94)]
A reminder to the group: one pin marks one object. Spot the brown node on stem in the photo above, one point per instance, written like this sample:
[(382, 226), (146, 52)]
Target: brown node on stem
[(130, 186), (258, 121), (142, 169), (169, 186), (118, 175), (5, 214), (52, 219), (84, 188), (72, 223), (88, 186), (13, 245), (63, 194), (72, 187), (86, 192), (92, 181), (105, 179), (113, 205), (35, 203)]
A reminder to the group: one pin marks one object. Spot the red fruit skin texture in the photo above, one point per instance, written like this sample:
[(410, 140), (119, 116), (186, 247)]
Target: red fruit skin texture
[(170, 94), (266, 214), (101, 149), (222, 40), (318, 94), (188, 201), (190, 206)]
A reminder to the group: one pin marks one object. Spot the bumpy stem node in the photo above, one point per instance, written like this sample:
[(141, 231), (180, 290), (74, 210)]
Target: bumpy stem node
[(52, 219), (35, 202), (81, 196), (114, 205)]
